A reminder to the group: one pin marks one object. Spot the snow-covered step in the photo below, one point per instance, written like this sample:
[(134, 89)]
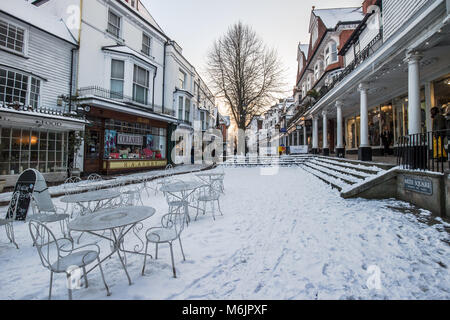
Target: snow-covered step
[(335, 183), (359, 167), (347, 179), (357, 174)]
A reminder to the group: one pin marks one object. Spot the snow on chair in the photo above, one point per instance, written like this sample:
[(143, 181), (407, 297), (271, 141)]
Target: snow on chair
[(60, 256)]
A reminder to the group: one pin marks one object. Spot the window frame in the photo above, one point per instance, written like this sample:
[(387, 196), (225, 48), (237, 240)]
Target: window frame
[(147, 88), (183, 83), (119, 95), (119, 27), (28, 91), (149, 45), (25, 29)]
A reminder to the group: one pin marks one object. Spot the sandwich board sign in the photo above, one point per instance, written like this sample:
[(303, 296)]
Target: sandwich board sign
[(30, 183)]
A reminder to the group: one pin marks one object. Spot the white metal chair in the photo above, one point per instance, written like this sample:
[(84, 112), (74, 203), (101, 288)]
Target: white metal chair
[(70, 187), (8, 221), (95, 178), (172, 224), (60, 256), (209, 193), (131, 196), (168, 174), (47, 212)]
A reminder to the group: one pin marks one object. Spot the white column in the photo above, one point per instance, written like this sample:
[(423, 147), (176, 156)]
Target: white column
[(414, 110), (325, 130), (340, 142), (298, 137), (364, 124), (315, 137), (305, 138)]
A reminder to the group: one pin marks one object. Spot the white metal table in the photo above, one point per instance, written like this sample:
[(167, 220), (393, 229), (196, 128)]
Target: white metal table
[(182, 191), (84, 200), (210, 176), (119, 221)]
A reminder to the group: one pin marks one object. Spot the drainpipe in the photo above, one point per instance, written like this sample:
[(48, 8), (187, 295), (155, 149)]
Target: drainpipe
[(153, 90), (164, 77), (71, 80)]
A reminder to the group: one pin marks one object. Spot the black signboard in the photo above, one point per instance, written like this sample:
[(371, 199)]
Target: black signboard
[(25, 186), (420, 185)]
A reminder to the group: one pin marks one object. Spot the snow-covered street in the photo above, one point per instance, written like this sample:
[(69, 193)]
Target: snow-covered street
[(282, 236)]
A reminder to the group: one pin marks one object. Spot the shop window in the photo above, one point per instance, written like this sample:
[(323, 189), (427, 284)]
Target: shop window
[(117, 78), (140, 84), (143, 142), (23, 148), (12, 37), (374, 127)]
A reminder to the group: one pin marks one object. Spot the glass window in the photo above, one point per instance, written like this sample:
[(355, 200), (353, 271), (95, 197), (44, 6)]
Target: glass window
[(181, 80), (180, 108), (187, 110), (13, 87), (35, 92), (113, 24), (374, 127), (146, 45), (12, 37), (117, 78), (140, 84)]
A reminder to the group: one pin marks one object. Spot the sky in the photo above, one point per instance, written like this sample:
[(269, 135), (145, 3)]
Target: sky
[(195, 24)]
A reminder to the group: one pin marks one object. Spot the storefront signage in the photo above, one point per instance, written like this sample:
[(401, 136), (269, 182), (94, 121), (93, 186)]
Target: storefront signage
[(419, 185), (134, 164), (298, 149), (129, 139)]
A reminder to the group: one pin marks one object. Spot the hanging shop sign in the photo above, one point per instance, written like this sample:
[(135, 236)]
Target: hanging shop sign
[(129, 139), (419, 185)]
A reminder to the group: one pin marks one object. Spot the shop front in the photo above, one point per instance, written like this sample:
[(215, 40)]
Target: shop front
[(119, 142), (388, 122), (37, 140)]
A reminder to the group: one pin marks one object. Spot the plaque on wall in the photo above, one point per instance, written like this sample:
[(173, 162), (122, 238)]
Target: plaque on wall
[(419, 185)]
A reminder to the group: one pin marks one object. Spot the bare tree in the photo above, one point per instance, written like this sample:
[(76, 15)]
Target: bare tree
[(245, 73)]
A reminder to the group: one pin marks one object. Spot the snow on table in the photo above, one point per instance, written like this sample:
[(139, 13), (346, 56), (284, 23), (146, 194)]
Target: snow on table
[(286, 236)]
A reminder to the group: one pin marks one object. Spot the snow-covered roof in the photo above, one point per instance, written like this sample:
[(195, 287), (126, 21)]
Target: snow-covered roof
[(38, 18), (331, 17), (129, 51), (305, 49)]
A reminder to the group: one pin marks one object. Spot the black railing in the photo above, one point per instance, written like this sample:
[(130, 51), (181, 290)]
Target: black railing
[(424, 151), (120, 97)]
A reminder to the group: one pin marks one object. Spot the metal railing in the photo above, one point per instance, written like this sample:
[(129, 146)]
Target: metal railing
[(424, 151), (120, 97)]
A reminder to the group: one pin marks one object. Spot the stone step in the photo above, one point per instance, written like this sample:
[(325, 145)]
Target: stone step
[(330, 173), (338, 168), (370, 170), (334, 183)]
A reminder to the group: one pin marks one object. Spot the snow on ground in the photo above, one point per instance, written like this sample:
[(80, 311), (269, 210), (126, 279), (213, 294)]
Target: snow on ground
[(283, 236)]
